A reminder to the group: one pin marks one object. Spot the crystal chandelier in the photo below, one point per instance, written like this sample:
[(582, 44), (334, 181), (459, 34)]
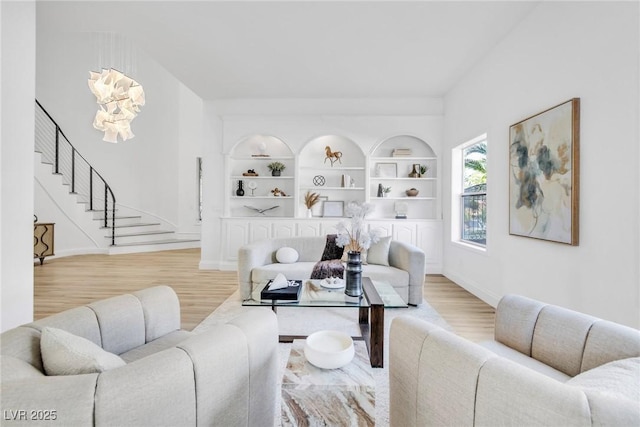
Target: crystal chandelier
[(120, 99)]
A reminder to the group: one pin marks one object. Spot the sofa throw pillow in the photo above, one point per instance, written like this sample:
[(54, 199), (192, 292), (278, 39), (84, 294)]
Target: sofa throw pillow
[(378, 252), (66, 354), (286, 255), (331, 249)]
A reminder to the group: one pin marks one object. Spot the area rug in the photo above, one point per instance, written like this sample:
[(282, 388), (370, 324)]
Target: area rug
[(304, 321)]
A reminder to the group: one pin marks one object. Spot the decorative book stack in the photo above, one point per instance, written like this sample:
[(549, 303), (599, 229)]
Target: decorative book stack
[(401, 152)]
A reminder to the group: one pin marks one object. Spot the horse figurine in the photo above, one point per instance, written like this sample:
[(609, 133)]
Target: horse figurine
[(333, 156)]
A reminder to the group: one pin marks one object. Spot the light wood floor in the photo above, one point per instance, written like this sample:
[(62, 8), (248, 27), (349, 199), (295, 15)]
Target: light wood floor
[(68, 282)]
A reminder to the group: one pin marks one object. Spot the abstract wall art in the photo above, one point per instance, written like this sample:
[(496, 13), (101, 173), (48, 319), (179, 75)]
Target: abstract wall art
[(544, 174)]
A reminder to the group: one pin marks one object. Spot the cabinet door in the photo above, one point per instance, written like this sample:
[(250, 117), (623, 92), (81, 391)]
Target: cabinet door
[(260, 230), (405, 232), (328, 228), (308, 228), (385, 227), (284, 229), (237, 234)]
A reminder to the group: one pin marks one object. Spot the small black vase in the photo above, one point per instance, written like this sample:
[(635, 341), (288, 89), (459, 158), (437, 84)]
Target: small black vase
[(353, 273), (240, 190)]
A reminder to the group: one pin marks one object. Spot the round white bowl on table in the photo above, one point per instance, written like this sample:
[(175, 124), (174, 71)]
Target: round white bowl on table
[(329, 349)]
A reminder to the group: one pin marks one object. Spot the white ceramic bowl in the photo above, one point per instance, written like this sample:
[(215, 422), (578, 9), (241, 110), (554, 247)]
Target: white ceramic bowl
[(329, 349)]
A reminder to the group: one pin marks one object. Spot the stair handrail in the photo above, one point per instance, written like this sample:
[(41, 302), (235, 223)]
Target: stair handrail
[(92, 172)]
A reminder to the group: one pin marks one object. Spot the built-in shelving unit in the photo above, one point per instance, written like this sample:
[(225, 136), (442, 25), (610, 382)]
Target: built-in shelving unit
[(351, 176), (354, 177), (326, 176), (256, 153), (393, 164)]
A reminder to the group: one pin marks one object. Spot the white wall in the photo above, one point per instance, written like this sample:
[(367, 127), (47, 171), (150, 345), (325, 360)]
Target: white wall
[(152, 173), (296, 122), (16, 158), (560, 51)]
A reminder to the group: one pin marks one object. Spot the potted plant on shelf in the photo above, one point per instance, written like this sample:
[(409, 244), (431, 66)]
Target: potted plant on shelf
[(276, 168), (385, 191), (423, 170)]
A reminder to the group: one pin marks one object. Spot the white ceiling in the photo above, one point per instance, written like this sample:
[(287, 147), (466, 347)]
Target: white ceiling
[(302, 49)]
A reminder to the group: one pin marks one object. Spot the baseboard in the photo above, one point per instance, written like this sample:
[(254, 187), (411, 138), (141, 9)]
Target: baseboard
[(72, 252), (474, 288)]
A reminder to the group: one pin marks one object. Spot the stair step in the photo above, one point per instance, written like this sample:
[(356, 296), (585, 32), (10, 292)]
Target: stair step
[(158, 242), (118, 217), (137, 224), (154, 246), (142, 233)]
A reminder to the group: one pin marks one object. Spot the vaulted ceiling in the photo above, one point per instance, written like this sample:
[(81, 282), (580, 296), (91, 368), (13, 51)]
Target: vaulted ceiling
[(302, 49)]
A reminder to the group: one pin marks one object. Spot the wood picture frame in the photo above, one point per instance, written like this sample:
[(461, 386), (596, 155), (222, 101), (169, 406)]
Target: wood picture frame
[(544, 167)]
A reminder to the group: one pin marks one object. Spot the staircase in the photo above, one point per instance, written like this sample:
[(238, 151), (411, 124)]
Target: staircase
[(116, 228)]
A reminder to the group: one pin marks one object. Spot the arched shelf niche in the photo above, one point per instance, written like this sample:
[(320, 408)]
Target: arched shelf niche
[(393, 165), (263, 194), (257, 145), (340, 177)]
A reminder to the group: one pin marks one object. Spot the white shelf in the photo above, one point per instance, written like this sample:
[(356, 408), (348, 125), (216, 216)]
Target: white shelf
[(391, 159), (261, 177), (400, 178), (333, 188), (262, 158), (403, 198), (336, 168), (262, 197)]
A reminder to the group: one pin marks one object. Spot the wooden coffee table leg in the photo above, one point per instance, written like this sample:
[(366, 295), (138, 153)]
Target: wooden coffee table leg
[(372, 324)]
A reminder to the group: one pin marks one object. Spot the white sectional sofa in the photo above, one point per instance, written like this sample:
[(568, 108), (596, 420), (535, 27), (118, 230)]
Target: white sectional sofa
[(548, 366), (226, 375), (402, 264)]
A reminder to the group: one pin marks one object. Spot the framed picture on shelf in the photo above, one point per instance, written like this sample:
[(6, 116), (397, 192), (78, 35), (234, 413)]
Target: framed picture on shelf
[(332, 208), (386, 170), (316, 210), (544, 175)]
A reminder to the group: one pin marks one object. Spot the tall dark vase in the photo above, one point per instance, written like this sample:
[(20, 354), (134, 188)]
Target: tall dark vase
[(353, 274), (240, 190)]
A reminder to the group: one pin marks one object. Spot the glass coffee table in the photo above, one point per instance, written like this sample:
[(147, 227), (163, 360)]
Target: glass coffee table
[(377, 296)]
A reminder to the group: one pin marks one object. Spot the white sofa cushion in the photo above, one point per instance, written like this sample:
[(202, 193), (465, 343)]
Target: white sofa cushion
[(287, 255), (613, 391), (524, 360), (169, 340), (66, 354)]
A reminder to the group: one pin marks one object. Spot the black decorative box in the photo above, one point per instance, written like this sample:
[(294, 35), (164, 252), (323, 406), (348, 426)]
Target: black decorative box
[(290, 293)]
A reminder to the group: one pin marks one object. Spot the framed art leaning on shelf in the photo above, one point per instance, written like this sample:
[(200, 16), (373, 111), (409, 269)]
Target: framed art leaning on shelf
[(332, 208)]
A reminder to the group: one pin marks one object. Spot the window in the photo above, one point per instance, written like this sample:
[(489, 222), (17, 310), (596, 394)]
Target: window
[(469, 184), (474, 193)]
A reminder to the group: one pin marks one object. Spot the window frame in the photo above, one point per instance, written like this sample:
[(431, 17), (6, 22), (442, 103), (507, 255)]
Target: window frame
[(458, 196)]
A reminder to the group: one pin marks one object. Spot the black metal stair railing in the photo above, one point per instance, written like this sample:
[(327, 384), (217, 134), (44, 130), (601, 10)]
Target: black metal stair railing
[(84, 181)]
